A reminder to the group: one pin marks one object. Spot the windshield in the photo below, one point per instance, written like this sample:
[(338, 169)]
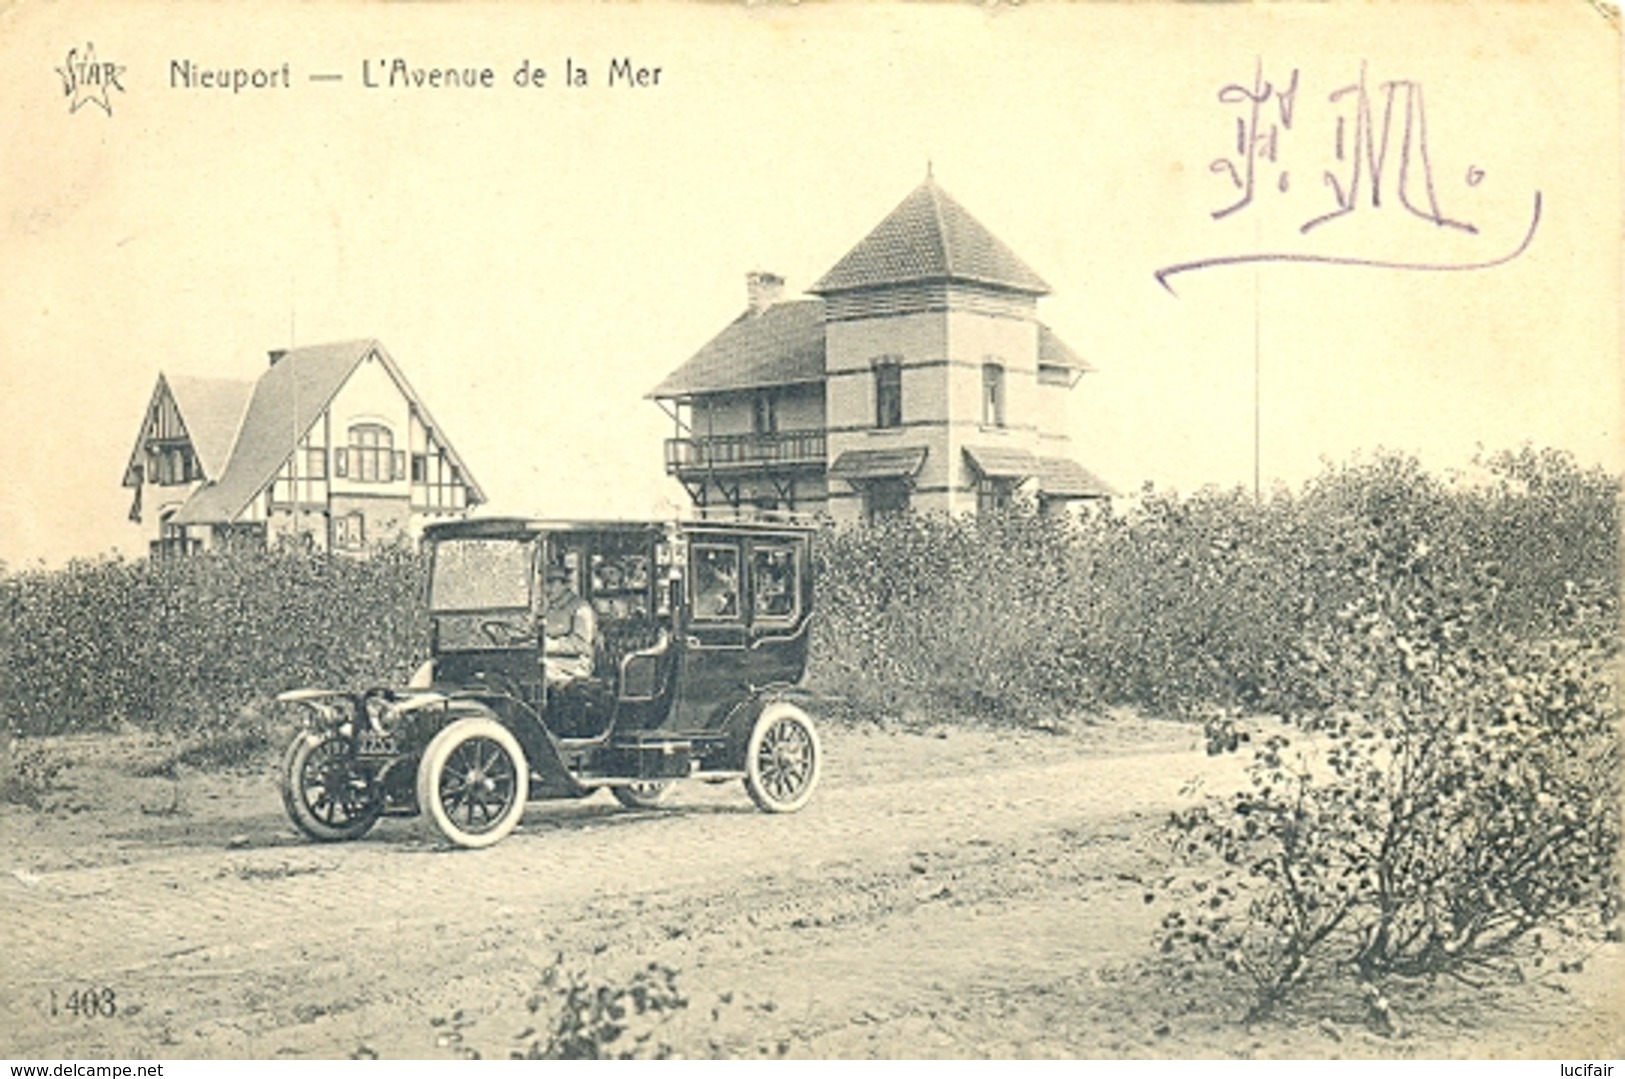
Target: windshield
[(480, 575)]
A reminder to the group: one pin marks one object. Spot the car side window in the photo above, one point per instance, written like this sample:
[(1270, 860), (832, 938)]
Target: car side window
[(773, 582), (716, 582)]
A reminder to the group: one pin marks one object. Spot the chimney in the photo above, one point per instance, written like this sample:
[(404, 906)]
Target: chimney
[(762, 290), (277, 354)]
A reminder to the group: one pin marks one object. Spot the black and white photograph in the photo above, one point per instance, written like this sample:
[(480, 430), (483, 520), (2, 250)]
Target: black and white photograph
[(1033, 531)]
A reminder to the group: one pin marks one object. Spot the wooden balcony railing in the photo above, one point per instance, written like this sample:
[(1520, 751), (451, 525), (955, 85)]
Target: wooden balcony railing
[(721, 453)]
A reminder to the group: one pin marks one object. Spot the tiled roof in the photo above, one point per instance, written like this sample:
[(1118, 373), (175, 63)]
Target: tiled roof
[(1002, 462), (1062, 477), (930, 237), (212, 409), (856, 466), (783, 344), (1054, 352), (287, 400)]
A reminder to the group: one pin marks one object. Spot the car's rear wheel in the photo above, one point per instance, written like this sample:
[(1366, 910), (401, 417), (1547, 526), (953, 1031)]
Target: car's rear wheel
[(642, 795), (327, 797), (782, 759), (473, 782)]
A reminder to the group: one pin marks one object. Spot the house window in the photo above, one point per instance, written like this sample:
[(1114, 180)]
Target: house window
[(883, 499), (420, 467), (371, 454), (994, 495), (765, 412), (315, 464), (350, 531), (888, 393), (992, 395), (173, 465)]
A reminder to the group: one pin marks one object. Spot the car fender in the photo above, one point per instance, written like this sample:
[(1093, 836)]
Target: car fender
[(541, 751), (322, 707)]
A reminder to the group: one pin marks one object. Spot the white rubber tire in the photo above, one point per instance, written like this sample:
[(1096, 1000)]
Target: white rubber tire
[(473, 782), (782, 759)]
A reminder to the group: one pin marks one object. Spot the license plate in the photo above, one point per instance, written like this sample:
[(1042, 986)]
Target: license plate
[(375, 745)]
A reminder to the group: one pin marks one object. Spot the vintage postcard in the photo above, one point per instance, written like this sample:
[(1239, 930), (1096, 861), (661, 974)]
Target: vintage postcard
[(1028, 530)]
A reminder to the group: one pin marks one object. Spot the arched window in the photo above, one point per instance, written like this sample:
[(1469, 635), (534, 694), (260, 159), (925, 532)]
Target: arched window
[(370, 457)]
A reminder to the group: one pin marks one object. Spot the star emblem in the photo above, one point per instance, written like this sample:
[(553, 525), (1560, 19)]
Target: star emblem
[(86, 80)]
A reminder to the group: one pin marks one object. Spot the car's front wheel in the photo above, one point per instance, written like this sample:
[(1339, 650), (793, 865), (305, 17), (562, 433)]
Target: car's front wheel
[(782, 759), (327, 797), (473, 782)]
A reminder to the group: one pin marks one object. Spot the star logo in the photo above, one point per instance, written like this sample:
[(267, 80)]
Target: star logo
[(87, 81)]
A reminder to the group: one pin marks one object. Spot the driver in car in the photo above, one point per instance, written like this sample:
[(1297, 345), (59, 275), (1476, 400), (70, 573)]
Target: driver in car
[(570, 629)]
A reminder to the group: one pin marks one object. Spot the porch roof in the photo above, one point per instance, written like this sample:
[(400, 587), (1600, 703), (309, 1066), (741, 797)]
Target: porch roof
[(861, 466)]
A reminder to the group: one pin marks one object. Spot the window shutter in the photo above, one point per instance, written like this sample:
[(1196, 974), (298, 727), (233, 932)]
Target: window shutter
[(341, 462), (399, 472)]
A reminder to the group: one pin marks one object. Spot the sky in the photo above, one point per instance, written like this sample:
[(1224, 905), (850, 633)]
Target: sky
[(538, 259)]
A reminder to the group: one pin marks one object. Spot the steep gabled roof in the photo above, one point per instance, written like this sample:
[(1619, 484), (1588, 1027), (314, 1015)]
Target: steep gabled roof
[(288, 399), (930, 237), (212, 409), (209, 410), (783, 344)]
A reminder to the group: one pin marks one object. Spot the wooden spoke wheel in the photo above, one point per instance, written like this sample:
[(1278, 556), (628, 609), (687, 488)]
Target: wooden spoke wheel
[(326, 795), (473, 782), (782, 759)]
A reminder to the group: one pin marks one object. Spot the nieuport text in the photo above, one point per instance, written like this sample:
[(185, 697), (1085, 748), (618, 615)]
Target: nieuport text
[(189, 75)]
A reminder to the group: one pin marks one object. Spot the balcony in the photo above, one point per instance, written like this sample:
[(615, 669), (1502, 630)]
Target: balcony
[(745, 453)]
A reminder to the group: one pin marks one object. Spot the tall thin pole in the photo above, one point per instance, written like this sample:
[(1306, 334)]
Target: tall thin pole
[(1257, 395), (1258, 488)]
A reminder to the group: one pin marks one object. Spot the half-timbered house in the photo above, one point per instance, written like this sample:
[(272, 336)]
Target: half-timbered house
[(329, 449)]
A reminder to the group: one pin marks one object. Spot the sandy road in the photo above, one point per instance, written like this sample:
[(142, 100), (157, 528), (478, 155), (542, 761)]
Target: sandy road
[(959, 862), (980, 893)]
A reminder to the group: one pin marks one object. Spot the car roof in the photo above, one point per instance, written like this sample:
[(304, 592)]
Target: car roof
[(527, 527)]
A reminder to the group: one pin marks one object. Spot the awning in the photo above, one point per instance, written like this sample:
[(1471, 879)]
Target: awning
[(1002, 462), (1062, 477), (861, 466)]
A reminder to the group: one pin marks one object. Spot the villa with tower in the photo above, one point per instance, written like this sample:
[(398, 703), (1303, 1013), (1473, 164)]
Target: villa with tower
[(916, 375)]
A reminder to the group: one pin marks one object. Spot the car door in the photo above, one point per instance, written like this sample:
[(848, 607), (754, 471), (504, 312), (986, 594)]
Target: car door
[(712, 673)]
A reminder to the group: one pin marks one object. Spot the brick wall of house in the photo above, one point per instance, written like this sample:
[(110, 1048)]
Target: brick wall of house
[(941, 354)]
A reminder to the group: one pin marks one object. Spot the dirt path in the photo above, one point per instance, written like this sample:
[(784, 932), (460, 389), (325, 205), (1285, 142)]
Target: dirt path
[(970, 895)]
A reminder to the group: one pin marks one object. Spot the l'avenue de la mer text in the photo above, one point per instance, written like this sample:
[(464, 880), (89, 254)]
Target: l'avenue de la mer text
[(398, 73)]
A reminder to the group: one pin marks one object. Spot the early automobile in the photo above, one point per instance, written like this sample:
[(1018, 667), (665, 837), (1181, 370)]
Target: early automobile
[(699, 637)]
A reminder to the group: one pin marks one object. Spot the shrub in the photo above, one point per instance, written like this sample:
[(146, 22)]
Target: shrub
[(585, 1020), (28, 776), (188, 644), (973, 615), (1204, 603), (1458, 792)]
